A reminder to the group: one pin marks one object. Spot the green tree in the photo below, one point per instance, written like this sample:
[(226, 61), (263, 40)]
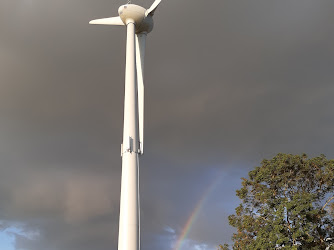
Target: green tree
[(223, 247), (287, 203)]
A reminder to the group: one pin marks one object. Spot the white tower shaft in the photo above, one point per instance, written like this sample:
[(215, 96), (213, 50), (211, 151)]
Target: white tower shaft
[(133, 16), (129, 220)]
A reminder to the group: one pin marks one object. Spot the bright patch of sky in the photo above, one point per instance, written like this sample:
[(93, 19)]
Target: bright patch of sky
[(7, 237), (189, 244), (169, 230), (6, 240)]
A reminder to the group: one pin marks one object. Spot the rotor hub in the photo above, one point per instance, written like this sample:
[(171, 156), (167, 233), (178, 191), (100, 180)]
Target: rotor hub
[(131, 13)]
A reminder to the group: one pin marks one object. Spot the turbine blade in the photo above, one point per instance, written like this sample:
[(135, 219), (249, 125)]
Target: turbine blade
[(154, 6), (108, 21), (140, 55)]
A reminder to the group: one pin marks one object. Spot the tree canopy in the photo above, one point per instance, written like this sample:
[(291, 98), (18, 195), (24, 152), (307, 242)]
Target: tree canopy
[(286, 203)]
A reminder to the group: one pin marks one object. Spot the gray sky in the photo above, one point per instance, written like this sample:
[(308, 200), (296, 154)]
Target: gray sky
[(228, 83)]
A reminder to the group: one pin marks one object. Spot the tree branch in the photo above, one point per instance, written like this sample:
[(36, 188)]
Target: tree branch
[(328, 201)]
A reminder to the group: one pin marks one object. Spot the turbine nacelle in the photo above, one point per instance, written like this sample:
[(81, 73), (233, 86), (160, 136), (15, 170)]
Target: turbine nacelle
[(131, 13), (136, 14)]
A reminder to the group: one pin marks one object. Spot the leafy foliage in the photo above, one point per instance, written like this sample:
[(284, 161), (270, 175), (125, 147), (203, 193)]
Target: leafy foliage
[(223, 247), (287, 203)]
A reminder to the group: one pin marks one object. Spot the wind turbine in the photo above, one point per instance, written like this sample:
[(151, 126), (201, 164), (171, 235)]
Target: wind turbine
[(139, 23)]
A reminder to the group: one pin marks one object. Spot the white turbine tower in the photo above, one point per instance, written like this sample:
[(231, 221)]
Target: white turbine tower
[(139, 23)]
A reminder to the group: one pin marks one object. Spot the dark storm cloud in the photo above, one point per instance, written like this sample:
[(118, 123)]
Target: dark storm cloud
[(227, 84)]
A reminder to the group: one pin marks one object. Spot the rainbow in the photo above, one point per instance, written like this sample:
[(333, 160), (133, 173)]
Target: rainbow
[(192, 218)]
